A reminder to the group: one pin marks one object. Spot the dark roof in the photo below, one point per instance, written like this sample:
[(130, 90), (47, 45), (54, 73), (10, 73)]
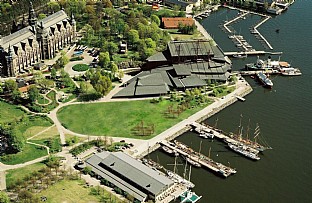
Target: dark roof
[(181, 69), (147, 85), (190, 48), (193, 81), (126, 172), (159, 56)]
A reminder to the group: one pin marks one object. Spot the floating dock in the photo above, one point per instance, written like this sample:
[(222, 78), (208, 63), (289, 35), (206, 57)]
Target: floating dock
[(186, 151)]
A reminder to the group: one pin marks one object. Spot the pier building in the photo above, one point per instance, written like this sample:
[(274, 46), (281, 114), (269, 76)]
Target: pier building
[(38, 41), (131, 176)]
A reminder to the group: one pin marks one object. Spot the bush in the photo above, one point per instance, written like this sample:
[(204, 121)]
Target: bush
[(80, 67), (77, 58)]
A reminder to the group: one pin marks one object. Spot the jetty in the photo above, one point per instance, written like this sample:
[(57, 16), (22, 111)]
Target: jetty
[(255, 31), (251, 53), (240, 98), (206, 162), (233, 20), (248, 73)]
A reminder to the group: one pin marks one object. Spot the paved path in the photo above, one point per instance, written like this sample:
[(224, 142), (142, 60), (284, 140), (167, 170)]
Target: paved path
[(218, 105)]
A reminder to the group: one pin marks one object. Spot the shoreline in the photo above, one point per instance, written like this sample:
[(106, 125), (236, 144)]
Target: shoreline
[(242, 89)]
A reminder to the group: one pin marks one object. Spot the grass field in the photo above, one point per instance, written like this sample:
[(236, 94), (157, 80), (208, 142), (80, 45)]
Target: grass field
[(18, 174), (33, 125), (9, 112), (179, 36), (119, 118), (70, 191), (49, 138), (30, 152)]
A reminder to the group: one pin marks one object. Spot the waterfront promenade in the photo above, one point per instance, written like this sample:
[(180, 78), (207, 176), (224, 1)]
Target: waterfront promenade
[(242, 89)]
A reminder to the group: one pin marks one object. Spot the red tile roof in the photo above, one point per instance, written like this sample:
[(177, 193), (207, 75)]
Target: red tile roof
[(172, 23)]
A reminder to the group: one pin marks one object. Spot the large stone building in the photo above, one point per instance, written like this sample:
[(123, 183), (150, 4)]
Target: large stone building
[(38, 41), (131, 176)]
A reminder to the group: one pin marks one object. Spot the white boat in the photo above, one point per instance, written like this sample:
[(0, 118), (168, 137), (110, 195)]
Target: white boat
[(192, 162), (290, 71), (240, 56), (244, 150)]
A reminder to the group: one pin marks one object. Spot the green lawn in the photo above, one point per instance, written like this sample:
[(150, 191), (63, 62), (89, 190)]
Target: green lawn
[(30, 152), (33, 124), (9, 112), (49, 138), (119, 118), (70, 191), (42, 100), (18, 174), (179, 36)]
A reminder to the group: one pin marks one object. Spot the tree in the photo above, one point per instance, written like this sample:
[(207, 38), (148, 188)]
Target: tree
[(4, 198), (104, 59), (33, 93), (114, 68), (63, 60), (83, 87), (53, 73), (53, 6), (87, 170), (155, 19), (103, 85), (133, 37), (45, 83), (16, 95), (1, 88), (10, 85), (41, 16)]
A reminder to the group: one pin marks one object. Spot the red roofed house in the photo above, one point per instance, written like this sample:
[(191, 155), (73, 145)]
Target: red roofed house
[(173, 23)]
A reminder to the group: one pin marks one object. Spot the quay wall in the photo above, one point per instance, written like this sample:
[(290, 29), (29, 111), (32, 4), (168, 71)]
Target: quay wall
[(243, 89)]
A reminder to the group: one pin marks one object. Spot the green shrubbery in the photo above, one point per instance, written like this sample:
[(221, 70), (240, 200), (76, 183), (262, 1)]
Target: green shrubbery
[(80, 67)]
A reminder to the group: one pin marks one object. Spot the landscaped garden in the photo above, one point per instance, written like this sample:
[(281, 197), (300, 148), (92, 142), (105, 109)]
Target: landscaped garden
[(125, 119), (80, 67)]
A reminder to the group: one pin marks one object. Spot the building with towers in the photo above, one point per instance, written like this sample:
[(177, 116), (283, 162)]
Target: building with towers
[(38, 41)]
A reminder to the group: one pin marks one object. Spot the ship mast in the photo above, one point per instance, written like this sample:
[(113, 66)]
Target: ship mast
[(256, 133), (247, 133), (240, 127)]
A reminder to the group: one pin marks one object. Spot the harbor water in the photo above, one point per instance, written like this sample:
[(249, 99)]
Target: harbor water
[(284, 114)]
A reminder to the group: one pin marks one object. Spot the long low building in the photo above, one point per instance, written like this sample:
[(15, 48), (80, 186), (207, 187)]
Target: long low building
[(130, 175)]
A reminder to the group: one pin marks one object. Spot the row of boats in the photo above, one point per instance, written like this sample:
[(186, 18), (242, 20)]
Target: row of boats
[(260, 67), (203, 15), (197, 159), (245, 146)]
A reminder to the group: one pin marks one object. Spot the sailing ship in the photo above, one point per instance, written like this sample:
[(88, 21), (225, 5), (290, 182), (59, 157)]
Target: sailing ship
[(192, 162), (245, 150), (248, 142)]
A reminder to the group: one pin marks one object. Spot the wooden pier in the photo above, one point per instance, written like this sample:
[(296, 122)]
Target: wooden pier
[(219, 168), (255, 30), (233, 20), (248, 73), (251, 53)]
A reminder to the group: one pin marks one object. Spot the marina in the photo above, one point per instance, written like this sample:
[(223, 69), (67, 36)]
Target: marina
[(201, 159)]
